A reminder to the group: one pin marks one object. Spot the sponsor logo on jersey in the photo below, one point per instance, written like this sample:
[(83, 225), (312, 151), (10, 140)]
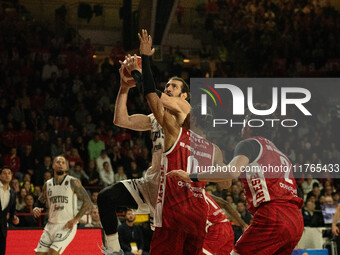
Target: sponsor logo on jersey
[(59, 199)]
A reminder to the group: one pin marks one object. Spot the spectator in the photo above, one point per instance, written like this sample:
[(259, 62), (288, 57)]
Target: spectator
[(13, 161), (48, 69), (95, 147), (134, 170), (41, 147), (80, 115), (315, 192), (57, 148), (311, 218), (307, 185), (78, 172), (92, 174), (220, 191), (94, 197), (94, 218), (25, 136), (89, 125), (123, 135), (21, 199), (28, 220), (120, 175), (74, 158), (101, 159), (129, 234), (47, 176), (42, 169), (15, 185), (106, 175), (245, 215), (27, 164), (80, 145), (116, 157)]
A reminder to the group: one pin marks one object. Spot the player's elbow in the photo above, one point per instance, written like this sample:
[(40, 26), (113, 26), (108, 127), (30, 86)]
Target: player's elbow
[(88, 205), (119, 122)]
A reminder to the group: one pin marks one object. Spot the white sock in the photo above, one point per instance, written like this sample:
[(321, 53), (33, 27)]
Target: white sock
[(112, 242)]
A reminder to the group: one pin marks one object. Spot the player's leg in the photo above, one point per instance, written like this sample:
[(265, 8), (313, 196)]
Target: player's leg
[(167, 242), (293, 230), (219, 239), (44, 242), (193, 243), (62, 237), (108, 200), (53, 252), (273, 228)]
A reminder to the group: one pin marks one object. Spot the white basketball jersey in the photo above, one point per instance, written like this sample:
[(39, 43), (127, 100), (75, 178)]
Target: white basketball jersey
[(61, 199), (157, 137)]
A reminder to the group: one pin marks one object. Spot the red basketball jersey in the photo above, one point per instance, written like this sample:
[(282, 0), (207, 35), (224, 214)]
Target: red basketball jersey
[(269, 177), (183, 205), (215, 214)]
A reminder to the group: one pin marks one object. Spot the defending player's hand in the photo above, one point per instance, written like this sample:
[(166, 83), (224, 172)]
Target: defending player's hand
[(37, 211), (71, 223), (180, 174), (145, 47), (335, 230)]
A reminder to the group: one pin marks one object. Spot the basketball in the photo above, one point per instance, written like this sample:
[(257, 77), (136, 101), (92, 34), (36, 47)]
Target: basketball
[(126, 75)]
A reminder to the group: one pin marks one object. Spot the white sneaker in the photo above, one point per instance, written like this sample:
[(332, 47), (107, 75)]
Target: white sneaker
[(109, 251)]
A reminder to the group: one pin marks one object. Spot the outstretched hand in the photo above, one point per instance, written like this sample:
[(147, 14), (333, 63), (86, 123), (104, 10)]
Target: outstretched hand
[(180, 174), (145, 47)]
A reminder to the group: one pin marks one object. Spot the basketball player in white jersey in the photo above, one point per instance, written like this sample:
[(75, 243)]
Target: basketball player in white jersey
[(136, 193), (60, 194)]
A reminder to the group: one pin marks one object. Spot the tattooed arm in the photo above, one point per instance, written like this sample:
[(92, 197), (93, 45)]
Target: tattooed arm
[(41, 201), (83, 196)]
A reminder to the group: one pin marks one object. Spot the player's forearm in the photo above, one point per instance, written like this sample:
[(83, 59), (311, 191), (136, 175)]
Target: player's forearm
[(86, 206), (216, 176), (121, 113), (156, 107)]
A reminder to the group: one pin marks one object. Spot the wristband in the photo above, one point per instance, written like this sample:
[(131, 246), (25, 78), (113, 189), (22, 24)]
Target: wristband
[(193, 177), (159, 93)]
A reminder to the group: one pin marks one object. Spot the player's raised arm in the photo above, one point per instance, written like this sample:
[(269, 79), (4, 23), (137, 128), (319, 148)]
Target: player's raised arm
[(40, 203), (83, 196), (165, 119), (138, 122)]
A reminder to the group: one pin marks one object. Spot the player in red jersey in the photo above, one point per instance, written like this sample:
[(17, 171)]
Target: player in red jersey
[(183, 210), (271, 196)]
